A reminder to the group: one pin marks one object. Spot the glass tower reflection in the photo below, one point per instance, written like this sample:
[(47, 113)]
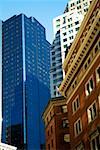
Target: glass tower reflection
[(26, 83)]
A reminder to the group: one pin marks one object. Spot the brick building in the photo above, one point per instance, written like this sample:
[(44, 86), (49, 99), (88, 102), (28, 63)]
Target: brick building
[(56, 125), (81, 85)]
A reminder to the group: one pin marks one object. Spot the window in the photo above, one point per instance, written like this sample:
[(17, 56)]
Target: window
[(53, 53), (85, 66), (64, 40), (80, 12), (72, 4), (70, 31), (64, 33), (65, 123), (67, 137), (78, 1), (75, 104), (85, 4), (78, 127), (48, 146), (86, 9), (70, 25), (58, 55), (57, 80), (48, 132), (58, 25), (99, 100), (77, 22), (95, 143), (78, 7), (89, 60), (63, 28), (64, 109), (65, 46), (53, 58), (52, 143), (89, 86), (98, 74), (55, 93), (64, 20), (70, 19), (54, 64), (47, 120), (96, 48), (54, 75), (91, 111), (80, 147), (58, 20), (71, 37), (59, 73), (77, 29), (51, 129)]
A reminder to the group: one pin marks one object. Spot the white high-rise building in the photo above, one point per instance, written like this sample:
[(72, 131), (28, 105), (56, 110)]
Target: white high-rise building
[(7, 147), (67, 25)]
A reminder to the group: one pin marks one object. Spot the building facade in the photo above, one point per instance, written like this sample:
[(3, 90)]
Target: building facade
[(2, 145), (81, 85), (0, 78), (26, 65), (56, 69), (56, 125), (66, 27)]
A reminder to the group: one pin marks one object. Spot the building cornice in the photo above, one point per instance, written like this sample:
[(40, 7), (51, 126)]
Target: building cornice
[(81, 54), (53, 102), (82, 27)]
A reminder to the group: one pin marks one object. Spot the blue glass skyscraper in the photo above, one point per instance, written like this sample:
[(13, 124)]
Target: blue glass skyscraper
[(26, 66)]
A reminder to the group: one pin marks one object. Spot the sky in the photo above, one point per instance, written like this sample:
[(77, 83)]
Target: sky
[(43, 10)]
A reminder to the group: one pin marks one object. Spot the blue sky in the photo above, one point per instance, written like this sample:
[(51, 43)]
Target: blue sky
[(43, 10)]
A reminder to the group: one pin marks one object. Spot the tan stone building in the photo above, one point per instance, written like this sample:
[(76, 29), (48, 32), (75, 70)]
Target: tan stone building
[(81, 85), (56, 122)]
